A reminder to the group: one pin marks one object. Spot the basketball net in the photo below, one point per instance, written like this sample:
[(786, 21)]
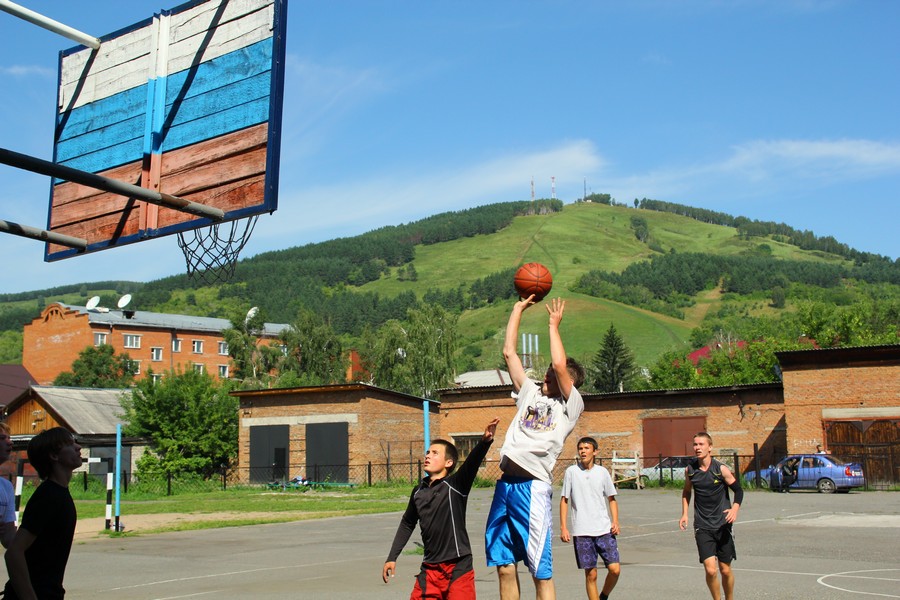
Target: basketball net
[(211, 253)]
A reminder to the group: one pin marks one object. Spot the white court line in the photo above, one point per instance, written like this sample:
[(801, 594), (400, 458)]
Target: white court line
[(739, 522), (851, 574), (190, 595), (230, 573), (820, 576)]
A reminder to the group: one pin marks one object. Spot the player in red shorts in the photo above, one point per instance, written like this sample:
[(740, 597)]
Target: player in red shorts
[(438, 505)]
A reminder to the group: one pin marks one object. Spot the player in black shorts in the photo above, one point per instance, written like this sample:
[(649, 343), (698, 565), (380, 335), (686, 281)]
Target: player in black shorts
[(714, 513)]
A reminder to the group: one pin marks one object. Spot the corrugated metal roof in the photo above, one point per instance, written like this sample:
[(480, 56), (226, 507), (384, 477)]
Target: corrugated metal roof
[(483, 378), (142, 318), (85, 410)]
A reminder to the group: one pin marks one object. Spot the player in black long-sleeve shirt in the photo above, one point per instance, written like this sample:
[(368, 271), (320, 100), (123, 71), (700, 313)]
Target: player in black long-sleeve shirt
[(438, 505)]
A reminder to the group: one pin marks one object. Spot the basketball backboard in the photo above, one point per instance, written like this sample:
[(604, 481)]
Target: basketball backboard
[(186, 103)]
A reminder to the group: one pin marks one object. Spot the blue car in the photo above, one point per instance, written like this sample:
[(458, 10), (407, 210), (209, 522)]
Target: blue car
[(821, 472)]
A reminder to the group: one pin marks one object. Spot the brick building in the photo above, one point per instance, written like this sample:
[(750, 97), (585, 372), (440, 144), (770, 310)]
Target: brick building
[(847, 397), (321, 430), (847, 400), (650, 423), (156, 341)]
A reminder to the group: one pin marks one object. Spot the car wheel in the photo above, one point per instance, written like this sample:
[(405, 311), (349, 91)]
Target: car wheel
[(826, 486)]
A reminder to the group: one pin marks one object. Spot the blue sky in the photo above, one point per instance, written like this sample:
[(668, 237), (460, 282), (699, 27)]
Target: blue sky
[(782, 110)]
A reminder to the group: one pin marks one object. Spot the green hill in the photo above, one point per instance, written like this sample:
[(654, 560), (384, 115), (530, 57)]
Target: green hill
[(362, 281)]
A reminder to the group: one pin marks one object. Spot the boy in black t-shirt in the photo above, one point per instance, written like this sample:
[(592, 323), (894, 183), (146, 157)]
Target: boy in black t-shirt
[(36, 559)]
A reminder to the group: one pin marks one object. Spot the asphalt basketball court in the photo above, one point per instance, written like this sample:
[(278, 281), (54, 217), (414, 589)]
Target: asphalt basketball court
[(799, 545)]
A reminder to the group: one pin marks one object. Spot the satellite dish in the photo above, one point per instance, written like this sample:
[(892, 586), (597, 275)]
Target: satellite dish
[(251, 313), (92, 303), (123, 301)]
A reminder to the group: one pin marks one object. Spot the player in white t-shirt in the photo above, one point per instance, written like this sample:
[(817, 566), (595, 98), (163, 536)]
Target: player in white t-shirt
[(520, 522), (586, 490)]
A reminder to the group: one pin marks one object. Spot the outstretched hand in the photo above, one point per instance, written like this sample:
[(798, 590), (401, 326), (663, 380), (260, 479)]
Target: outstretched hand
[(490, 429), (555, 308), (524, 303)]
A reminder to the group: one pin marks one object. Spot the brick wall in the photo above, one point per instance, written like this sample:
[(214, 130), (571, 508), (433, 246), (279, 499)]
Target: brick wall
[(615, 420), (376, 419), (863, 390), (51, 342)]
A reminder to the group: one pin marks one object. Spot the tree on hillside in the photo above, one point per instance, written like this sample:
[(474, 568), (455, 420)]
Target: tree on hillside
[(313, 354), (613, 368), (191, 420), (98, 367), (414, 356)]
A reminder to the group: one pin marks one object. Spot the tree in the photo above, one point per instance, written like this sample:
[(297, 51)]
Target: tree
[(253, 362), (613, 367), (98, 367), (415, 356), (313, 352), (191, 420)]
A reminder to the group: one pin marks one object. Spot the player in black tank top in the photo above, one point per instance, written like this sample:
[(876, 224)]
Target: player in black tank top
[(709, 481)]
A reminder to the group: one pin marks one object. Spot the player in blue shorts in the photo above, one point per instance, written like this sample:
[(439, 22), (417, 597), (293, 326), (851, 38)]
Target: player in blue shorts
[(519, 525), (586, 490)]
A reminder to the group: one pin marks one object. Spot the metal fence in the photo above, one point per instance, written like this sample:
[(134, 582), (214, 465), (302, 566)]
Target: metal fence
[(882, 469)]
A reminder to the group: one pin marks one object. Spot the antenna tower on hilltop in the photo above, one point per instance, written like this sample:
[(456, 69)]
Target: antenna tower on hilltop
[(553, 188)]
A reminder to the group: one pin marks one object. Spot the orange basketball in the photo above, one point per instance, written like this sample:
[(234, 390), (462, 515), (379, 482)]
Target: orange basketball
[(533, 278)]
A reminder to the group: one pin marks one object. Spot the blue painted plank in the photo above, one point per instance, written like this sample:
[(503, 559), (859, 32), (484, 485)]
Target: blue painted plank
[(221, 71), (211, 126), (103, 113)]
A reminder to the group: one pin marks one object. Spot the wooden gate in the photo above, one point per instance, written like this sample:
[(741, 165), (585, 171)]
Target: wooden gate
[(873, 443)]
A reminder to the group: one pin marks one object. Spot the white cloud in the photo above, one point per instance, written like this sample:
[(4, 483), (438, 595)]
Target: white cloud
[(771, 164), (26, 71)]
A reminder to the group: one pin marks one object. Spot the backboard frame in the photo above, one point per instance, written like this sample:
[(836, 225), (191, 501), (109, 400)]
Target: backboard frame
[(198, 137)]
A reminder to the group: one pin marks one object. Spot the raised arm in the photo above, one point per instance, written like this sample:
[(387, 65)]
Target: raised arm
[(556, 307), (510, 343), (465, 475)]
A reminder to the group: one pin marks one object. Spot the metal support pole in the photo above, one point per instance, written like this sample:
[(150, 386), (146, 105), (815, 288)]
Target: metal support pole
[(42, 235), (44, 167), (49, 24)]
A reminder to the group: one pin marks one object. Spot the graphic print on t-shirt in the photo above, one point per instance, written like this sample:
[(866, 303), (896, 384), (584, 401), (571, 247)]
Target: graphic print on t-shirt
[(539, 417)]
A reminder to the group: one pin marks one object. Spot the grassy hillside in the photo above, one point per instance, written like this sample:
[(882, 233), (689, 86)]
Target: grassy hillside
[(572, 242)]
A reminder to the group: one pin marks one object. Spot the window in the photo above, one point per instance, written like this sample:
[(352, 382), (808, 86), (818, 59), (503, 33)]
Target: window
[(223, 371), (132, 341), (176, 345), (99, 338), (156, 377), (284, 350), (156, 354), (465, 444), (223, 348), (197, 346), (135, 367), (198, 367)]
